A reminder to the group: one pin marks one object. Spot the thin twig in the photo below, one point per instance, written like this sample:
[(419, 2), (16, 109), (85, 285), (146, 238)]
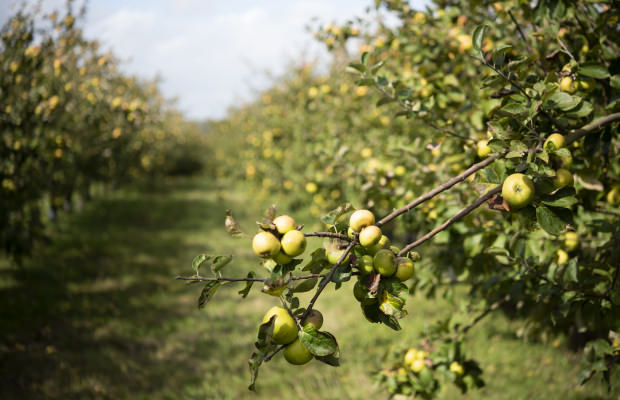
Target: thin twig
[(327, 279), (506, 78), (480, 316), (527, 43), (329, 235), (452, 220), (276, 351), (441, 188)]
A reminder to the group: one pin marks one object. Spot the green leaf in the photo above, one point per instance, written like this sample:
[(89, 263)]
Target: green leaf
[(207, 293), (570, 272), (389, 321), (342, 273), (392, 305), (478, 36), (232, 226), (584, 109), (549, 220), (594, 70), (562, 100), (219, 262), (198, 261), (318, 261), (615, 82), (364, 58), (318, 343), (566, 202), (248, 285), (331, 217), (305, 285), (395, 287), (384, 100), (264, 346), (275, 287), (358, 67), (330, 359)]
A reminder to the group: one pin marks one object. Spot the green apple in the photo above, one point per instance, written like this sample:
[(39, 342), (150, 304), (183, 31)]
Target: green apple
[(587, 85), (518, 190), (404, 268), (564, 161), (314, 318), (265, 244), (284, 224), (284, 326), (562, 178), (555, 141), (296, 353), (456, 368), (568, 85), (561, 256), (350, 232), (365, 264), (360, 219), (613, 196), (383, 243), (483, 148), (370, 235), (334, 252), (384, 262), (282, 258), (293, 243), (571, 241)]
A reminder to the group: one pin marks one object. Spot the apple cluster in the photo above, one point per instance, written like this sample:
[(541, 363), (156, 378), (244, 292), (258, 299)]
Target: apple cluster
[(281, 242), (518, 189), (374, 254), (285, 332)]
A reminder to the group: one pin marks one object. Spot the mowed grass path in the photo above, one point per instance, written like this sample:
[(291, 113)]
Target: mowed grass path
[(96, 314)]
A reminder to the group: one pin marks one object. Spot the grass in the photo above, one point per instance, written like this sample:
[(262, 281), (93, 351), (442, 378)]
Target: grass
[(96, 314)]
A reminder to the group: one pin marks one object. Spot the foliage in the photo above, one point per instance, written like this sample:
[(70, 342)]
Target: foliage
[(427, 89)]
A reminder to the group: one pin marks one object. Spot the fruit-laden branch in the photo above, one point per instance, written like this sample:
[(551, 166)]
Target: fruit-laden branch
[(322, 286), (223, 279), (328, 278), (329, 235), (452, 220), (408, 108), (592, 126), (441, 188)]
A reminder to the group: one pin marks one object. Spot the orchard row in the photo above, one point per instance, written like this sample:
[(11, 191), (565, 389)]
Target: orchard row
[(70, 119)]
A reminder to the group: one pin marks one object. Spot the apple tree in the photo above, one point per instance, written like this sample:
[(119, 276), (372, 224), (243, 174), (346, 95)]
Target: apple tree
[(483, 136)]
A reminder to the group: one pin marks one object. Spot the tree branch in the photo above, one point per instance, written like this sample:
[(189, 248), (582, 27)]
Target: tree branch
[(223, 279), (452, 220), (592, 126), (327, 279), (441, 188)]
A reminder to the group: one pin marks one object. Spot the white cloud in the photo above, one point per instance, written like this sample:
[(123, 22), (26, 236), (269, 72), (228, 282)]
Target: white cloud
[(211, 54)]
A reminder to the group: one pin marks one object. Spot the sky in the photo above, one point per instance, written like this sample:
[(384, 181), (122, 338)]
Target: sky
[(209, 54)]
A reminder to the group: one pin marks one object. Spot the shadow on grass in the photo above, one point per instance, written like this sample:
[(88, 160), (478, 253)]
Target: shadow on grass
[(84, 317)]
